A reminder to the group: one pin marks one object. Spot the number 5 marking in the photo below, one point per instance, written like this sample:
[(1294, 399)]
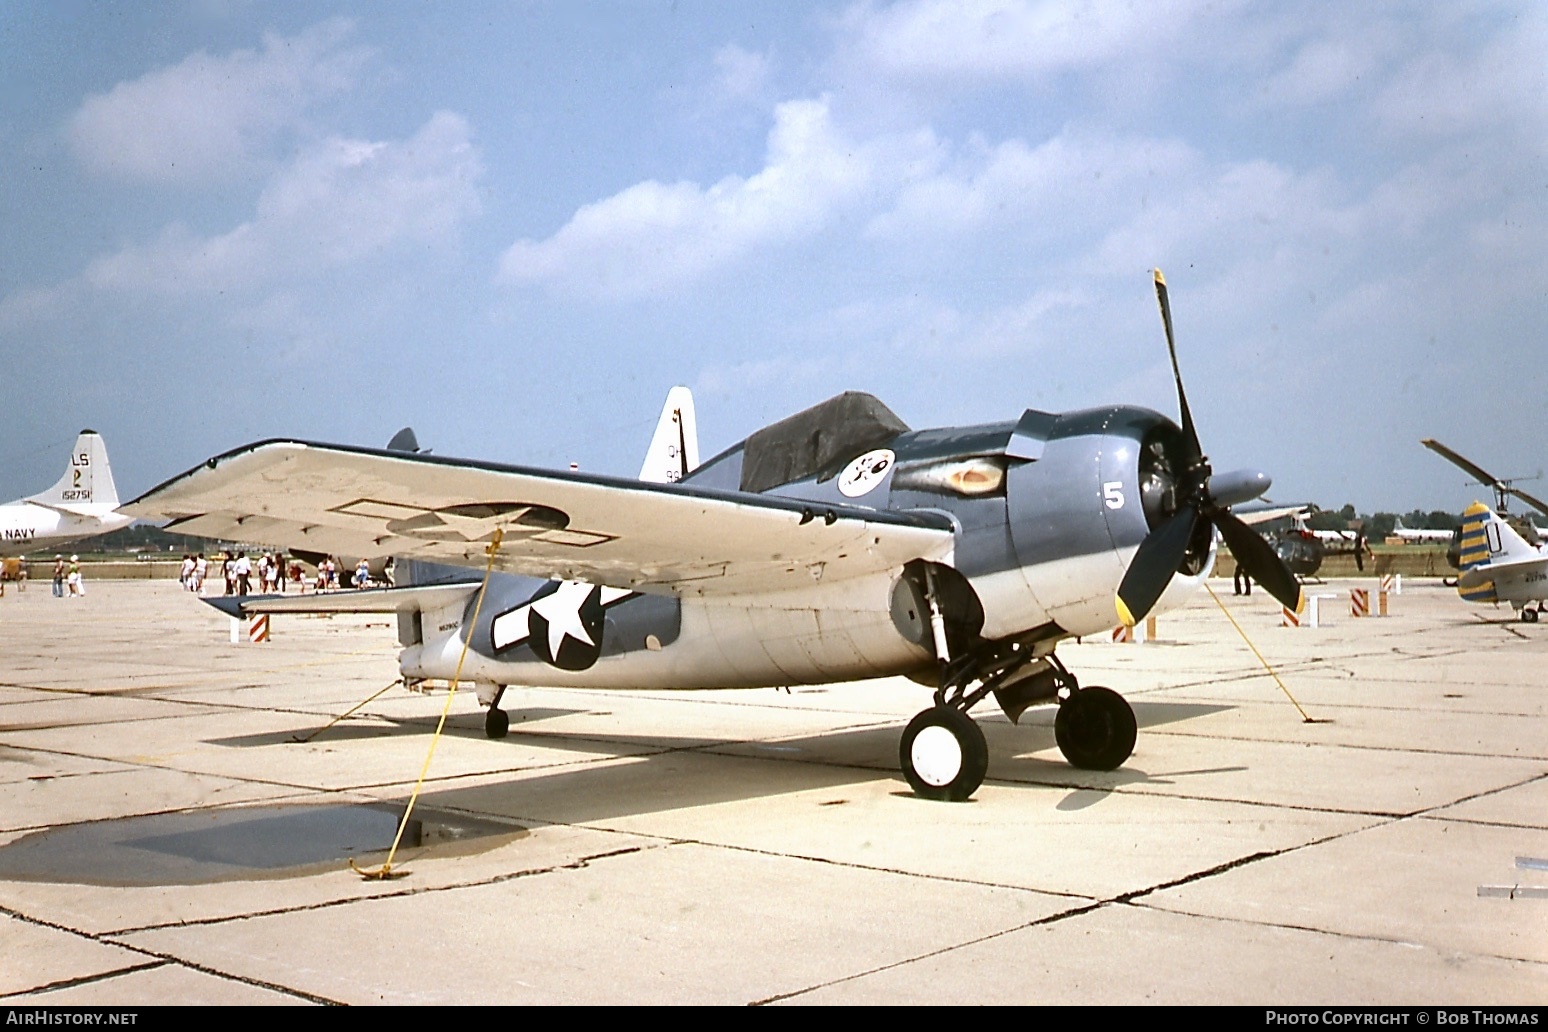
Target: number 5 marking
[(1112, 494)]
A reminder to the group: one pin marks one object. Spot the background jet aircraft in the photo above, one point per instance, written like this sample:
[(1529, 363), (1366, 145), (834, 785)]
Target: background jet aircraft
[(80, 505), (1416, 535), (834, 545)]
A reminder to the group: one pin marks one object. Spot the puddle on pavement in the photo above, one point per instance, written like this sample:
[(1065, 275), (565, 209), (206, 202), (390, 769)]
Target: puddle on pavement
[(241, 844)]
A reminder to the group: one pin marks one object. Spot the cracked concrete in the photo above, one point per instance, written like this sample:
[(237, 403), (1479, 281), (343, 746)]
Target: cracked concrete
[(761, 846)]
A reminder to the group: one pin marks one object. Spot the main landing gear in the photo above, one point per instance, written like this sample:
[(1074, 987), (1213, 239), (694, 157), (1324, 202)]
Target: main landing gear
[(1531, 615), (943, 752)]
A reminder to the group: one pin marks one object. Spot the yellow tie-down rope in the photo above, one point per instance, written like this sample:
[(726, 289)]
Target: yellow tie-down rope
[(1304, 718), (345, 715), (386, 871)]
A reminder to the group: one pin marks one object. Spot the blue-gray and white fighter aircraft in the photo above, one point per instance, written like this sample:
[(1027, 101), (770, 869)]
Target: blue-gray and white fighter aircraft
[(834, 545), (81, 504)]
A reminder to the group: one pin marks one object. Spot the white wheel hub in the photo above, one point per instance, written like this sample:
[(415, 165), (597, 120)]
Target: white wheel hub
[(937, 756)]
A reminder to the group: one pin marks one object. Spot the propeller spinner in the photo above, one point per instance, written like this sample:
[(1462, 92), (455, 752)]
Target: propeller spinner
[(1200, 497)]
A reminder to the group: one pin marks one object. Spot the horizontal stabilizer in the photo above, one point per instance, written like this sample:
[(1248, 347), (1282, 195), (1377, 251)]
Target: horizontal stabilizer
[(367, 600)]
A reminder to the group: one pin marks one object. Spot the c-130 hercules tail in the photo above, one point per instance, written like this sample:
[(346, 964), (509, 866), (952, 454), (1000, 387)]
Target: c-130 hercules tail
[(834, 545)]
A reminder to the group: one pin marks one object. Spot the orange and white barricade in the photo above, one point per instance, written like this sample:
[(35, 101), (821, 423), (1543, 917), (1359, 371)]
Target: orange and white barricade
[(1129, 635), (1359, 602), (257, 628), (1313, 616)]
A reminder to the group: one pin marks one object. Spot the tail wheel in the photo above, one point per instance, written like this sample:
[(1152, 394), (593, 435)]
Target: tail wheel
[(943, 754), (1095, 729)]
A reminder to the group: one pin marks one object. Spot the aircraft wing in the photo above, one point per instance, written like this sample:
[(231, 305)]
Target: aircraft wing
[(667, 538), (1265, 515)]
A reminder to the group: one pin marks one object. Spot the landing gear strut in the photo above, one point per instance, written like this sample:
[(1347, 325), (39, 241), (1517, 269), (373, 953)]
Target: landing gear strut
[(943, 752)]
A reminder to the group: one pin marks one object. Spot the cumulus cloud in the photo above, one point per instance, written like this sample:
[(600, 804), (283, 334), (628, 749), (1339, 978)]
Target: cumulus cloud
[(1499, 82), (656, 234), (1322, 70), (1068, 181), (741, 74), (210, 117), (1010, 37), (340, 202)]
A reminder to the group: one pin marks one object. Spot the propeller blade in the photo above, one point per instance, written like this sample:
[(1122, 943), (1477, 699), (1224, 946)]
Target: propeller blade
[(1258, 558), (1189, 434), (1151, 570)]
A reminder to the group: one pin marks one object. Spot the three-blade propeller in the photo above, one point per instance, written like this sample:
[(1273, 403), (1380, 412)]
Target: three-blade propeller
[(1165, 548)]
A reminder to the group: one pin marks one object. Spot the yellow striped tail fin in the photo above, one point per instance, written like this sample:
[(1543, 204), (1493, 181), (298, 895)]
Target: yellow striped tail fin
[(1476, 552)]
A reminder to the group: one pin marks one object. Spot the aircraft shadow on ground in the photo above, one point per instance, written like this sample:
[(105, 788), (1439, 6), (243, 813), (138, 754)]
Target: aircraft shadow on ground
[(375, 726), (660, 773), (655, 774)]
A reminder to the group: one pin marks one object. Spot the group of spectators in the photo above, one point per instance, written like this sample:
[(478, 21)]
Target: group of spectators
[(67, 579), (271, 572), (238, 572)]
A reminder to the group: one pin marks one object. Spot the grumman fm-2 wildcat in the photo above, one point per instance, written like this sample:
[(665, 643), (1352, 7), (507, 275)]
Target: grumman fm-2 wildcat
[(835, 545)]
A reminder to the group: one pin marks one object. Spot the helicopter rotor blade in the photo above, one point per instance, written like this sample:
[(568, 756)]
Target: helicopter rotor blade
[(1467, 466), (1535, 503)]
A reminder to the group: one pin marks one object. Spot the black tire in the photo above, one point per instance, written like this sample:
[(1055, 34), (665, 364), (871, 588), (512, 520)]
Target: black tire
[(497, 723), (1095, 729), (943, 754), (1529, 615)]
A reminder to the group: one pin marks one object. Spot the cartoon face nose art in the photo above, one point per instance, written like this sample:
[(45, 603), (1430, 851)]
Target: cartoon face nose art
[(862, 475)]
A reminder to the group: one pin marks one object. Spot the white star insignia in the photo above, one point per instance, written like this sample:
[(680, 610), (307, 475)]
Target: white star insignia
[(562, 611)]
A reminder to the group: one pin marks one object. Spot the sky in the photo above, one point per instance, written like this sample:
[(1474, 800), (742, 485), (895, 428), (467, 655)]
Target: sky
[(514, 226)]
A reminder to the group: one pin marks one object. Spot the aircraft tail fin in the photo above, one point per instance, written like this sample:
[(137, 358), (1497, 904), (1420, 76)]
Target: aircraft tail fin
[(87, 479), (674, 450), (406, 441), (1486, 540)]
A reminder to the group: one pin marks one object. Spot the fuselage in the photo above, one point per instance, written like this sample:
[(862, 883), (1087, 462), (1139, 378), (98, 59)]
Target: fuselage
[(1047, 512), (29, 527)]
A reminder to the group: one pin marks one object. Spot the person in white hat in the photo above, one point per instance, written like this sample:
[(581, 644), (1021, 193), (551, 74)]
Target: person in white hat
[(77, 588)]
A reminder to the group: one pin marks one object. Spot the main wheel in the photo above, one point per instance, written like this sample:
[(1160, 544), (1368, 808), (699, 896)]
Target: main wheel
[(497, 723), (1529, 615), (1095, 729), (943, 754)]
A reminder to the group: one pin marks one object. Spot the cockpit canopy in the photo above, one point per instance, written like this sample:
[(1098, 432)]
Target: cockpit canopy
[(815, 439)]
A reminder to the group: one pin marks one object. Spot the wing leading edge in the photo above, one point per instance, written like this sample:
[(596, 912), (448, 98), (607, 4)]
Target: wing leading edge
[(573, 526)]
